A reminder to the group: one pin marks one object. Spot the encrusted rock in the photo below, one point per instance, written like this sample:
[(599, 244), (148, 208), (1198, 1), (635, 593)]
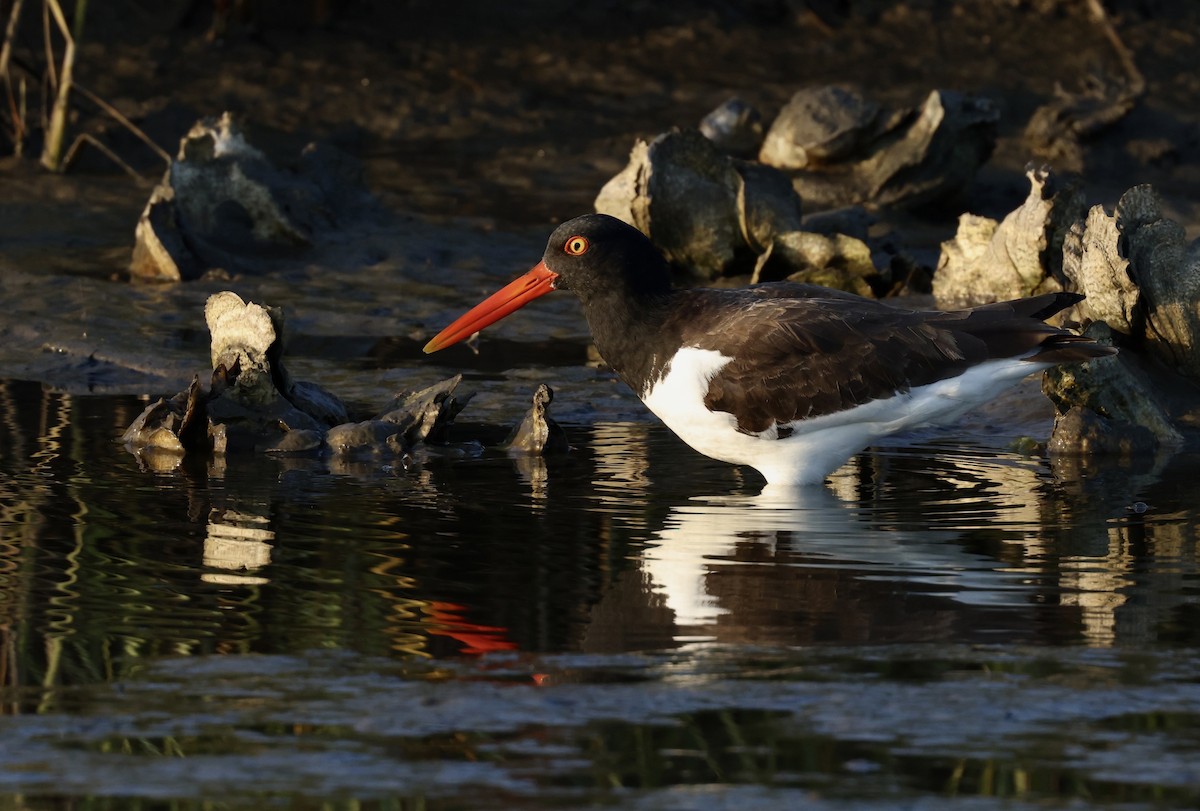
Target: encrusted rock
[(177, 425), (424, 415), (250, 337), (354, 437), (767, 206), (1081, 431), (242, 334), (838, 261), (253, 402), (1141, 276), (168, 430), (1114, 388), (298, 440), (820, 126), (1056, 130), (1093, 264), (223, 205), (1167, 271), (717, 216), (842, 149), (1019, 256), (682, 192)]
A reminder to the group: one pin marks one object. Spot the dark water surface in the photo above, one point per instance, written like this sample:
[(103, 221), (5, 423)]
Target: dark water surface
[(631, 626)]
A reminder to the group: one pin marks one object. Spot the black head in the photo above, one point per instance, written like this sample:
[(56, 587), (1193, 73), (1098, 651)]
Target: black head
[(596, 254), (613, 268)]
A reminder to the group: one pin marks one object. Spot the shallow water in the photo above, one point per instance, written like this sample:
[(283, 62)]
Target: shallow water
[(629, 625)]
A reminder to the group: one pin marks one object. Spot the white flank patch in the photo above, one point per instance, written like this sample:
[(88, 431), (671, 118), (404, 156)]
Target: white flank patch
[(820, 445)]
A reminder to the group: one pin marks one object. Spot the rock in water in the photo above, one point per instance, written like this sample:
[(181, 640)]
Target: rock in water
[(1129, 413), (251, 337), (168, 430), (254, 403), (538, 433), (241, 335), (424, 416), (1167, 271)]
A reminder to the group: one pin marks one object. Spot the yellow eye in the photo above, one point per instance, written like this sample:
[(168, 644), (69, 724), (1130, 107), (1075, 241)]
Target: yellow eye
[(576, 246)]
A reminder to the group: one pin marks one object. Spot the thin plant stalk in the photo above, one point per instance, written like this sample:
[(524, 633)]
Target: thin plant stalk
[(17, 110), (9, 32), (56, 130)]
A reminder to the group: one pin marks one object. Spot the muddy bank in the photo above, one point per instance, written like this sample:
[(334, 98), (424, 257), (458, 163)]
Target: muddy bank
[(478, 128)]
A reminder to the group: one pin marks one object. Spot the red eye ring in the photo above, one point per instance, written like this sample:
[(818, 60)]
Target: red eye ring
[(576, 246)]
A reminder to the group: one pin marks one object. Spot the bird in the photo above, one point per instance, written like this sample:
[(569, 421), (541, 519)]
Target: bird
[(791, 379)]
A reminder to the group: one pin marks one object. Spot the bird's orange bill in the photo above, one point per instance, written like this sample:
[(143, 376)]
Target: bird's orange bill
[(537, 282)]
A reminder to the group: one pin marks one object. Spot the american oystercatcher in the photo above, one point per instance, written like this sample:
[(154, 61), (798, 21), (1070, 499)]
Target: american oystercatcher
[(791, 379)]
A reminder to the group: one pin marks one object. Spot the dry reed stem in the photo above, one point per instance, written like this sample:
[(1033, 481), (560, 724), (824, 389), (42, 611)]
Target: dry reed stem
[(56, 131), (9, 32)]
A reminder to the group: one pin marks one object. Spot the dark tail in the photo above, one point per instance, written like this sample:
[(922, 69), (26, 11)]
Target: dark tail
[(1012, 329)]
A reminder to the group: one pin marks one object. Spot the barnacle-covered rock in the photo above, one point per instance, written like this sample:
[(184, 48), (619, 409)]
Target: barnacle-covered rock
[(1083, 432), (1093, 264), (1019, 256), (766, 205), (820, 126), (251, 337), (683, 193), (836, 261), (1115, 390), (223, 204), (1167, 271), (1056, 130), (842, 149), (408, 420), (353, 437), (425, 415), (178, 425), (167, 431), (1141, 277), (714, 215), (1142, 282), (254, 403)]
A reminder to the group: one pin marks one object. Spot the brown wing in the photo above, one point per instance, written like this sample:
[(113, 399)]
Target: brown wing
[(799, 358)]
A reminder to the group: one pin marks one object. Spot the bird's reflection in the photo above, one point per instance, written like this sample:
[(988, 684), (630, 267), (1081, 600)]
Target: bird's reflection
[(902, 546)]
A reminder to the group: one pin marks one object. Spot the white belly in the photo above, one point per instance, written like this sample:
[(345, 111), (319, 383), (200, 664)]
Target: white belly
[(820, 445)]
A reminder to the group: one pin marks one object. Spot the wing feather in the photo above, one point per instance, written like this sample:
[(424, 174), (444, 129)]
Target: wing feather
[(798, 354)]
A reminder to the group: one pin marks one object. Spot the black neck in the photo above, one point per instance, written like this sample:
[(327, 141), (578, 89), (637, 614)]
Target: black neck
[(628, 331)]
